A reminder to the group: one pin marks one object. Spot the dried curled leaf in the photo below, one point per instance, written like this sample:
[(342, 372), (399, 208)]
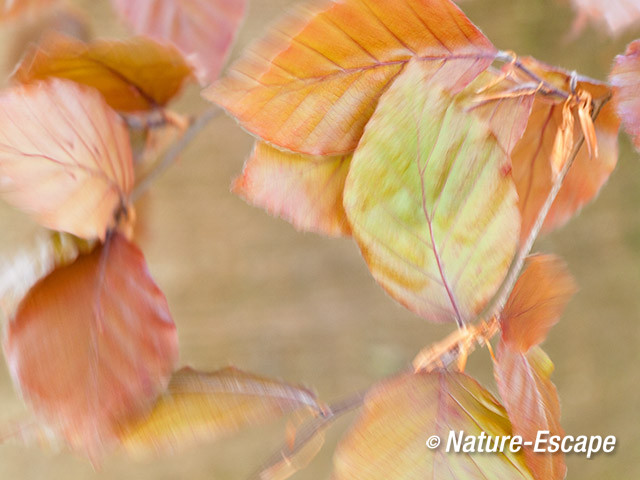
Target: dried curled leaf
[(387, 441), (92, 345), (304, 190), (431, 201), (134, 74), (532, 156), (625, 78), (199, 406), (531, 401), (313, 82), (536, 302), (65, 157), (204, 30)]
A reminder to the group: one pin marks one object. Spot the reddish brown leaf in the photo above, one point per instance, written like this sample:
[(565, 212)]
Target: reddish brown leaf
[(387, 441), (313, 82), (65, 157), (304, 190), (199, 406), (202, 29), (135, 74), (531, 401), (532, 156), (625, 78), (537, 302), (92, 345)]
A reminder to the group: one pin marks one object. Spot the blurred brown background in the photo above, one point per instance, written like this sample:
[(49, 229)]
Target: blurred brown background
[(247, 289)]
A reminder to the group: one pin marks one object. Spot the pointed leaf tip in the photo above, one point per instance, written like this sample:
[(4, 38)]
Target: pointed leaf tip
[(313, 82)]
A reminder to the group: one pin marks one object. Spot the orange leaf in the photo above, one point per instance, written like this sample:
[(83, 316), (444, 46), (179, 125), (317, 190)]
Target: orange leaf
[(625, 78), (135, 74), (532, 170), (387, 441), (536, 302), (304, 190), (92, 345), (531, 400), (64, 157), (199, 406), (202, 29), (312, 84)]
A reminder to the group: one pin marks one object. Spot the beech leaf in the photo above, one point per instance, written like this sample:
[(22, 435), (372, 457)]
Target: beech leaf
[(531, 400), (134, 74), (204, 30), (304, 190), (199, 406), (313, 82), (431, 201), (92, 345), (532, 156), (625, 78), (65, 157), (537, 301), (387, 441)]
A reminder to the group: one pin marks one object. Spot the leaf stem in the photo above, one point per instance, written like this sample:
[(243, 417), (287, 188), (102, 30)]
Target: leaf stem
[(174, 152), (497, 304)]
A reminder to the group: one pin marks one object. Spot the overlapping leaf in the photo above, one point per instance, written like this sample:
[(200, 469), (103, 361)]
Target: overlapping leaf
[(312, 84), (304, 190), (387, 441), (64, 156), (92, 345), (431, 201), (532, 165), (202, 29), (531, 401), (625, 78), (537, 302), (134, 74), (199, 406)]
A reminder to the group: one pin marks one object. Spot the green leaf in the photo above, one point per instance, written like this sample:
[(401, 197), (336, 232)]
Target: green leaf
[(431, 201)]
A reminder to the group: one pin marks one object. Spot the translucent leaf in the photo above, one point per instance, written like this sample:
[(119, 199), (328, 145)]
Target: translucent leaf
[(204, 30), (431, 201), (134, 74), (531, 400), (532, 157), (92, 345), (304, 190), (625, 78), (313, 82), (536, 302), (387, 441), (65, 157), (200, 406)]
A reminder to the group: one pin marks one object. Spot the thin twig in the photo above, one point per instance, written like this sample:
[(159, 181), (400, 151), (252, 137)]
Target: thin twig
[(174, 152), (497, 304)]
